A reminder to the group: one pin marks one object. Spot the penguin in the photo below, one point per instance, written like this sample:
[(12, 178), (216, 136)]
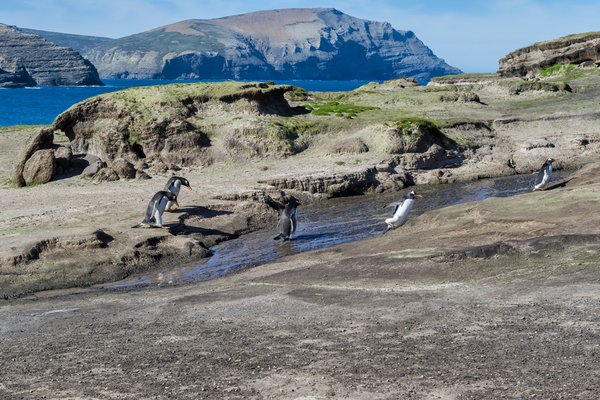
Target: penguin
[(155, 209), (543, 176), (400, 214), (174, 185), (288, 218)]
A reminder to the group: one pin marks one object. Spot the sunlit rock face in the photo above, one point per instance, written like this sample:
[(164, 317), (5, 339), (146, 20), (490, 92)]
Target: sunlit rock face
[(284, 44)]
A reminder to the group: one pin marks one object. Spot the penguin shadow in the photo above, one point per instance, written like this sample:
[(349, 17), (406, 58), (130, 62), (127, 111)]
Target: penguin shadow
[(195, 213), (180, 228), (199, 212)]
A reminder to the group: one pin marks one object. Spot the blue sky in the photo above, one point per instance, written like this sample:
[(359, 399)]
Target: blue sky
[(468, 34)]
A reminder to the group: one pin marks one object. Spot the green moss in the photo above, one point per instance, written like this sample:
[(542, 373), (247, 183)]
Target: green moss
[(557, 69), (340, 163), (337, 108), (406, 124)]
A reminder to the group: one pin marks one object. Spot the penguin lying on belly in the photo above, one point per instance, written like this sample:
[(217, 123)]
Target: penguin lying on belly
[(156, 208)]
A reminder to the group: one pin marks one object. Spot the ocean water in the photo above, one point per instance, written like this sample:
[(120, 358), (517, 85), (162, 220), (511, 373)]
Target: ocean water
[(41, 105)]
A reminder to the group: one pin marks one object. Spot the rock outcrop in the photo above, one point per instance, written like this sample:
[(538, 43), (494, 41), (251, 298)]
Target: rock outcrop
[(30, 60), (280, 44), (167, 127), (573, 49)]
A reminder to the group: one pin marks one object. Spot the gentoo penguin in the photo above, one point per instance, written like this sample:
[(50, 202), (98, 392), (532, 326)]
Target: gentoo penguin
[(155, 209), (288, 218), (174, 185), (543, 176), (400, 214)]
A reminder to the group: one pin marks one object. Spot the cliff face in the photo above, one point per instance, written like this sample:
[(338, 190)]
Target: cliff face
[(283, 44), (30, 60), (573, 49)]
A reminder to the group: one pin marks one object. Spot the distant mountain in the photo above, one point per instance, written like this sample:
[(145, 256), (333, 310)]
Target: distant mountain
[(79, 43), (278, 44), (30, 60)]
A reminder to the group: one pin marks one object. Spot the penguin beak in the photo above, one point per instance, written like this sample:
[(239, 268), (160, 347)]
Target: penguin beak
[(189, 187)]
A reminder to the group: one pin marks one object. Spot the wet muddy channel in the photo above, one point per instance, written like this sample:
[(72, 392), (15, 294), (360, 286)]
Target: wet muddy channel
[(325, 224)]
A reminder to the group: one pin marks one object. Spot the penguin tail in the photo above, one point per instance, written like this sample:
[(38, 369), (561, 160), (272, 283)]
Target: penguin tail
[(280, 236), (137, 226)]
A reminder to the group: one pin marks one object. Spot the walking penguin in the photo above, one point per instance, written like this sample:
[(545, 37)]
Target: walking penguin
[(543, 176), (173, 185), (288, 211), (400, 214), (156, 207)]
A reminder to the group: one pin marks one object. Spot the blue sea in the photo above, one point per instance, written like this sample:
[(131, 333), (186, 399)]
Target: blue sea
[(41, 105)]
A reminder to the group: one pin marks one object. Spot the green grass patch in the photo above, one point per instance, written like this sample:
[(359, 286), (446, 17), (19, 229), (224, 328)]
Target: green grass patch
[(450, 79), (557, 69), (406, 124), (338, 109), (9, 183)]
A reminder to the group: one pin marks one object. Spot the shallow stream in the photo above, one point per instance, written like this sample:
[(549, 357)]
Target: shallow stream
[(328, 223)]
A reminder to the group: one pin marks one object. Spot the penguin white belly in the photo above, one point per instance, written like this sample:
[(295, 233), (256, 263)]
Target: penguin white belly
[(159, 210), (401, 214), (545, 179)]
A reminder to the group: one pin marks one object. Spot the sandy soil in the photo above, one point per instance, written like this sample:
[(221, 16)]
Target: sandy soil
[(496, 299)]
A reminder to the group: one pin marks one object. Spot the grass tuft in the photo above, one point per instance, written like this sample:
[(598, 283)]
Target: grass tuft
[(337, 108)]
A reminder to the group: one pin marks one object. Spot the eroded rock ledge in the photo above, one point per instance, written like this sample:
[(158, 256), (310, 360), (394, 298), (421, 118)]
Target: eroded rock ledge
[(573, 49)]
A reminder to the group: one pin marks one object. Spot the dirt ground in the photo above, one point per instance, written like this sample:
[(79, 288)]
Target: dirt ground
[(494, 299)]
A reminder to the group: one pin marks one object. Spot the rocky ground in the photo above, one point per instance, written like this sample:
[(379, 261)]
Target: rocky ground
[(494, 299)]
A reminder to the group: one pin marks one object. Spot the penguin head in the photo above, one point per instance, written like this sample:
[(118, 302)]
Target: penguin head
[(186, 183), (549, 161), (412, 194)]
